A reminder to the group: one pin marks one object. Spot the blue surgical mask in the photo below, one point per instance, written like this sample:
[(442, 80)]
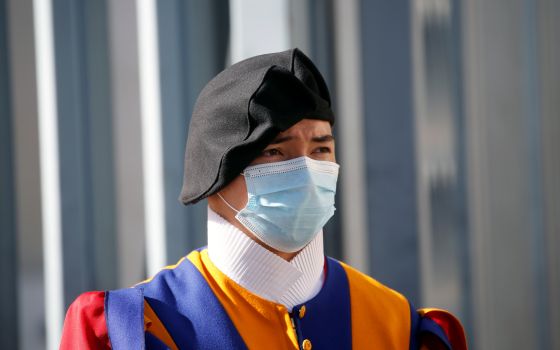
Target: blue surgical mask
[(289, 202)]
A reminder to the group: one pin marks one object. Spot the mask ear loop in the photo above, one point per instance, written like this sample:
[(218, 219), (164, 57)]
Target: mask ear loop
[(229, 205)]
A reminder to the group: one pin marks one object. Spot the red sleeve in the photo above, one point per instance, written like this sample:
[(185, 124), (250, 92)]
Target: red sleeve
[(85, 326), (449, 324)]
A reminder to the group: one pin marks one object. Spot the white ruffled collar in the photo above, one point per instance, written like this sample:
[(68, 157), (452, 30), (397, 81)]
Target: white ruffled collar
[(262, 272)]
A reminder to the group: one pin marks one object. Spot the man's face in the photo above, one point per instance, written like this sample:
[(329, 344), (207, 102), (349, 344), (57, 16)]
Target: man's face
[(312, 138), (309, 137)]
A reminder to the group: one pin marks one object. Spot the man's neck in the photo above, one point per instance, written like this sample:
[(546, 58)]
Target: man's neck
[(260, 271), (219, 207)]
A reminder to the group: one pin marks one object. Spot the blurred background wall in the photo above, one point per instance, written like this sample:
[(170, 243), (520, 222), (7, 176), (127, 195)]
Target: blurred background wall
[(448, 133)]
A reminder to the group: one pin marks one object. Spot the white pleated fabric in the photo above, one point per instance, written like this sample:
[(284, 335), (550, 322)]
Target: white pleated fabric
[(262, 272)]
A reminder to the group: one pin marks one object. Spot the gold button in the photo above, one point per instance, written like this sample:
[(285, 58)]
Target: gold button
[(302, 311), (306, 344)]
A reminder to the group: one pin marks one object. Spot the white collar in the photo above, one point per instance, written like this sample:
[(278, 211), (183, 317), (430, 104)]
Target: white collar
[(262, 272)]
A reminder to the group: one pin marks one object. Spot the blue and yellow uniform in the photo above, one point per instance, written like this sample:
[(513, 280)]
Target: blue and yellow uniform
[(193, 305)]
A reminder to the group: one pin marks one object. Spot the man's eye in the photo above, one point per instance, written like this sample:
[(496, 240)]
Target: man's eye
[(271, 152), (322, 150)]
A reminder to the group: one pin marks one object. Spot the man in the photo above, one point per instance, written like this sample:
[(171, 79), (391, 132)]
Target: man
[(260, 149)]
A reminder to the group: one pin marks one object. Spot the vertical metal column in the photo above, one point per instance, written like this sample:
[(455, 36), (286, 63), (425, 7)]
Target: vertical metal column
[(548, 28), (390, 148), (49, 160), (84, 129), (320, 25), (301, 17), (127, 141), (27, 190), (440, 156), (74, 150), (536, 204), (500, 180), (349, 85), (150, 112), (8, 248), (258, 27), (99, 123), (174, 98)]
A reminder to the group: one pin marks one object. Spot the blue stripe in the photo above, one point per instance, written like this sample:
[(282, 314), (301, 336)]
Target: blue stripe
[(195, 319), (153, 343), (124, 310), (193, 316), (414, 324), (327, 321)]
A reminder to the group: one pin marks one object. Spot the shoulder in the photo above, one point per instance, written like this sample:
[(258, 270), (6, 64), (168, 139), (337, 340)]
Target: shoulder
[(367, 288), (380, 316), (85, 325), (88, 301), (88, 317), (374, 301), (169, 272)]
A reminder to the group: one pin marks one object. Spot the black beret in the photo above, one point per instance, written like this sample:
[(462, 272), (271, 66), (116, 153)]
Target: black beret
[(241, 110)]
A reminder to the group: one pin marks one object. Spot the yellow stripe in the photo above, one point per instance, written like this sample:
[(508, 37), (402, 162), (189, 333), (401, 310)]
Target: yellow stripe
[(380, 316), (261, 323)]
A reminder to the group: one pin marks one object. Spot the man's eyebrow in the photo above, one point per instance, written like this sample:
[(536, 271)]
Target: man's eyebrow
[(323, 138), (281, 139)]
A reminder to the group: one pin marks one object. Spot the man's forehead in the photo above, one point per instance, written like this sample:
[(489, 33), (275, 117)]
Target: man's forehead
[(307, 128)]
